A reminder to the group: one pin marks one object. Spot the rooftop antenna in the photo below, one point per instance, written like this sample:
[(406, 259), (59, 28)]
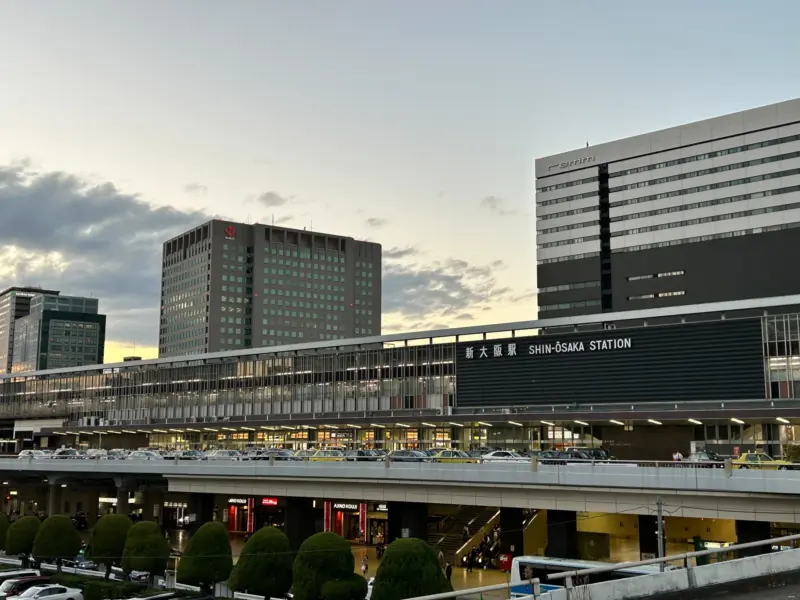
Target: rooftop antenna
[(587, 144)]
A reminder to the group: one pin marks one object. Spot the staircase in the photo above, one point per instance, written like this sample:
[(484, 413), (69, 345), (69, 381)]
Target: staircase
[(451, 538)]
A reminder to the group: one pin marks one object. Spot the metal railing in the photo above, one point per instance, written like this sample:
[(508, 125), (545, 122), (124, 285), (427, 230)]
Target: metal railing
[(685, 558)]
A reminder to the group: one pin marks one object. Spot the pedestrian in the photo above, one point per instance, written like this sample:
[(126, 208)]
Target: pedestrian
[(448, 571), (441, 558), (364, 566), (466, 533)]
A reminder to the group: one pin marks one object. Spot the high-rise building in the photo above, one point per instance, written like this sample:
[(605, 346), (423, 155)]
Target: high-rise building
[(227, 286), (15, 303), (59, 331), (704, 212)]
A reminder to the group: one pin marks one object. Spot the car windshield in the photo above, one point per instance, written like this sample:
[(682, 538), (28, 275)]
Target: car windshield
[(7, 585), (765, 457), (30, 592)]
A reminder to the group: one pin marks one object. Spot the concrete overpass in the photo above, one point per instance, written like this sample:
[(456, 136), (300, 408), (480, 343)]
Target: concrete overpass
[(741, 495)]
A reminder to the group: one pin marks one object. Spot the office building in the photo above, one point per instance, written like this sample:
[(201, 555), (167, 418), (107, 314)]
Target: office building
[(228, 286), (15, 303), (59, 332), (704, 212)]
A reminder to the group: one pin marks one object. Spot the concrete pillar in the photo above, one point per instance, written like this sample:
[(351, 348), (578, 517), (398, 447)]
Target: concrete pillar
[(122, 499), (753, 531), (562, 534), (153, 497), (53, 497), (408, 519), (93, 505), (648, 536), (300, 519), (202, 506), (511, 531)]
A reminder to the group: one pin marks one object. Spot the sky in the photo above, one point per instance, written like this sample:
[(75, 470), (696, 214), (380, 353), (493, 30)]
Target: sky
[(414, 124)]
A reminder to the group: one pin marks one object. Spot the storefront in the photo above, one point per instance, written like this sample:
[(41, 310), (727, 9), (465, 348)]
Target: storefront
[(269, 512), (377, 530), (346, 518), (176, 515), (240, 514)]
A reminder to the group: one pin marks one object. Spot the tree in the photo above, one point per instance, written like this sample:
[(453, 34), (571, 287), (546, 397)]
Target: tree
[(265, 565), (56, 540), (107, 541), (207, 559), (322, 558), (4, 524), (21, 535), (408, 569), (145, 550)]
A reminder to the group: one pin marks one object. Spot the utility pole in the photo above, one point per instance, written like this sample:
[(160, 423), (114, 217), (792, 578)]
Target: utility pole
[(660, 534)]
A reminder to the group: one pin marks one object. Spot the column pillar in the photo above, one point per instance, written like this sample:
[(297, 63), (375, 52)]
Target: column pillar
[(202, 506), (408, 519), (123, 489), (53, 497), (93, 507), (562, 534), (752, 531), (648, 537), (511, 531), (300, 520)]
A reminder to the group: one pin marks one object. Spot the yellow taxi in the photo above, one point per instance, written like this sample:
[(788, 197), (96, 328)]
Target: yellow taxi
[(453, 456), (327, 455), (760, 460)]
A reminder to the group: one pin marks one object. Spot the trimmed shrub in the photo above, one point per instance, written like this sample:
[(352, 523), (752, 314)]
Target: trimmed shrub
[(207, 559), (21, 535), (4, 525), (145, 549), (322, 558), (265, 565), (353, 587), (56, 540), (107, 541), (408, 569)]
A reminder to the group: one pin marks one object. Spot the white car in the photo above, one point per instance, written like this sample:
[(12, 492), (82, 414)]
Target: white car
[(222, 455), (144, 455), (34, 454), (50, 592), (504, 456)]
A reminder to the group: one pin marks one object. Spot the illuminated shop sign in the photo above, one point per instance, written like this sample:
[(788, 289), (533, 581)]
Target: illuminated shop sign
[(381, 508), (237, 500), (345, 506), (269, 502), (503, 350)]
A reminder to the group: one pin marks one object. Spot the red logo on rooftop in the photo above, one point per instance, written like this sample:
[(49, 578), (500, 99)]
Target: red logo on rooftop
[(230, 231)]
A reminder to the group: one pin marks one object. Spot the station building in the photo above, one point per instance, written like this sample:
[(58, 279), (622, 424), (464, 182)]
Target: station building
[(641, 383)]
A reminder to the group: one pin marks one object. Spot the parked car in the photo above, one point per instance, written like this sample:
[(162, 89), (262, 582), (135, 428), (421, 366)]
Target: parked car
[(406, 456), (17, 574), (79, 562), (327, 455), (68, 453), (504, 456), (222, 455), (14, 587), (453, 456), (144, 455), (361, 455), (51, 592), (760, 460), (33, 454)]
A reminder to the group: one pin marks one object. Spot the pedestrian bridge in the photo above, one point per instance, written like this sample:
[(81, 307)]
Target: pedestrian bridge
[(756, 495)]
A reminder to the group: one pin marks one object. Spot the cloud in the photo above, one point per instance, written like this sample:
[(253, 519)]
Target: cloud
[(436, 295), (376, 222), (86, 238), (397, 252), (195, 188), (283, 219), (273, 199), (496, 205)]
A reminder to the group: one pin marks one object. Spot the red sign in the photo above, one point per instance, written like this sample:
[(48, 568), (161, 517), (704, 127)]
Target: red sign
[(250, 515), (269, 502), (230, 231), (362, 521), (326, 516)]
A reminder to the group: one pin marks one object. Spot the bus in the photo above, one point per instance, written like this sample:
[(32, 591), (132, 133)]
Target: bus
[(526, 568)]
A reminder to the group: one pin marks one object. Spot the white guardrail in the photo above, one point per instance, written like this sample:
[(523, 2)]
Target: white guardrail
[(646, 475)]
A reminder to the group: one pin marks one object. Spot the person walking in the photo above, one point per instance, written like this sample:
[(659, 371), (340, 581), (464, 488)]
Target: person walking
[(441, 558), (364, 566), (448, 572)]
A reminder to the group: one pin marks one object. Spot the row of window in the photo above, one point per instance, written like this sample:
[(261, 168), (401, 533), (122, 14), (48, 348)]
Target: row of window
[(709, 171), (707, 155), (558, 259), (569, 213), (657, 295), (715, 202), (656, 275), (674, 162), (712, 219), (705, 188), (580, 240), (565, 287), (568, 305), (682, 192), (706, 238)]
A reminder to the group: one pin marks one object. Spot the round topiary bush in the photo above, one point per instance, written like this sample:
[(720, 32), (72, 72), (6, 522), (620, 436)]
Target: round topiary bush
[(21, 535), (322, 558), (352, 587), (145, 549), (408, 569), (207, 559), (107, 540), (265, 565), (56, 540)]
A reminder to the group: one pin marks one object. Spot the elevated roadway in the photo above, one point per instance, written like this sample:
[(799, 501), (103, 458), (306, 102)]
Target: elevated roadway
[(755, 495)]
